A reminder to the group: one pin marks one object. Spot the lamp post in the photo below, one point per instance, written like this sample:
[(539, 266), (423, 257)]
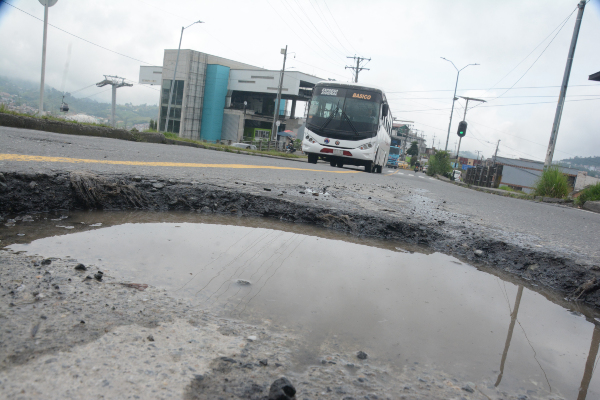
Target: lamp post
[(278, 98), (454, 98), (46, 4), (174, 73)]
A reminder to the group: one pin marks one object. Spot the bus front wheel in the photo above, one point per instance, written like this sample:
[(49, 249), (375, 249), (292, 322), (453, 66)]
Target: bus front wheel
[(312, 158), (369, 167)]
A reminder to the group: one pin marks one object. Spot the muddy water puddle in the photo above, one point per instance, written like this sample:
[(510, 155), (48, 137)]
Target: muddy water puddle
[(405, 307)]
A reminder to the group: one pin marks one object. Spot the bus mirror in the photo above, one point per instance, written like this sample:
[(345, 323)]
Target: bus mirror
[(384, 111)]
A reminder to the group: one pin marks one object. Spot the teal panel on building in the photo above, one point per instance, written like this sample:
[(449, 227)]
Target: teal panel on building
[(215, 91), (281, 107)]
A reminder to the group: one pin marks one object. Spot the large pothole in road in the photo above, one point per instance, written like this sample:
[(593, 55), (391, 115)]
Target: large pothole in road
[(404, 307)]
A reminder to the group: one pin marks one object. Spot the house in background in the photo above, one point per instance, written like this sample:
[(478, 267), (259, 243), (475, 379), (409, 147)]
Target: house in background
[(522, 174)]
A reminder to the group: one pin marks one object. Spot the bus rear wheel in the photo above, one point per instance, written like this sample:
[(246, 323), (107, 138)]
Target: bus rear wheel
[(312, 158), (340, 165), (332, 163), (378, 169)]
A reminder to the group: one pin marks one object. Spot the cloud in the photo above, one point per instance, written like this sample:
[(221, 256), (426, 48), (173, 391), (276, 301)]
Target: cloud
[(405, 40)]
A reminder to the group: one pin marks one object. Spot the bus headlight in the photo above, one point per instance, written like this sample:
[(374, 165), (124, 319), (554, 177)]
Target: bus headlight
[(366, 146), (310, 139)]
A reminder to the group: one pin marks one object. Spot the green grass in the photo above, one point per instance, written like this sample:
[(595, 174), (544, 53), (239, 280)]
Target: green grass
[(507, 188), (591, 193), (230, 149), (5, 110), (552, 183)]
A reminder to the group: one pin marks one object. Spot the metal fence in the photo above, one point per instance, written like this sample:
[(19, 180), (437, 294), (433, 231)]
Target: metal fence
[(484, 176)]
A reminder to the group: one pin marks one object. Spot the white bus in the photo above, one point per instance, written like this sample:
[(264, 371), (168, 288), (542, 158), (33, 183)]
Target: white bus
[(348, 124)]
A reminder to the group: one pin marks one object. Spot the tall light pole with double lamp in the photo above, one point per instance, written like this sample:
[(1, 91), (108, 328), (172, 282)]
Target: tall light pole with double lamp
[(454, 98), (175, 73)]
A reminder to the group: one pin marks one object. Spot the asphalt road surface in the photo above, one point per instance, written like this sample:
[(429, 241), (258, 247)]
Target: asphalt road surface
[(554, 227)]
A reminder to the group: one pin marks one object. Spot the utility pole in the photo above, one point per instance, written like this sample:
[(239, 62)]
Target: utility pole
[(47, 4), (563, 88), (478, 151), (115, 83), (358, 67), (496, 153), (278, 98)]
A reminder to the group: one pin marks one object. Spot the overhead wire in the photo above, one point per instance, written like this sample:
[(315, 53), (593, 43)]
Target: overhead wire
[(320, 15), (536, 60), (320, 33), (336, 24), (78, 37), (300, 37)]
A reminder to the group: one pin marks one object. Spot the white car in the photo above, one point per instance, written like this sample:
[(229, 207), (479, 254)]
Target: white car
[(244, 146)]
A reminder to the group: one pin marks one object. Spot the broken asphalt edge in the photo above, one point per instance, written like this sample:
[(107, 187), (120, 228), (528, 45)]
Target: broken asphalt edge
[(538, 269)]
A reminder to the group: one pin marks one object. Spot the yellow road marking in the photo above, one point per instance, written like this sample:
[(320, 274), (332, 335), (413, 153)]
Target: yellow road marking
[(393, 173), (25, 158)]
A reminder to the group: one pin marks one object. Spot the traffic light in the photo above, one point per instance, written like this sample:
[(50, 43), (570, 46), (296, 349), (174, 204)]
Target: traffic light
[(462, 128)]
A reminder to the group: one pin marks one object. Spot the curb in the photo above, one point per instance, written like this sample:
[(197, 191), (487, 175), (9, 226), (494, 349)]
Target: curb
[(504, 193), (69, 128)]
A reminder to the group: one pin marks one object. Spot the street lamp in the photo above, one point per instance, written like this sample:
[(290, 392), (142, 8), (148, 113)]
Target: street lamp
[(46, 4), (453, 98), (174, 73)]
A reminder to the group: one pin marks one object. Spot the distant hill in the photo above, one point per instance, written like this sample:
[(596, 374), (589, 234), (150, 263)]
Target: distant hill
[(589, 164), (28, 93)]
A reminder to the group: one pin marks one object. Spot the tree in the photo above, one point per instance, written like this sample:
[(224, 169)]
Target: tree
[(413, 149)]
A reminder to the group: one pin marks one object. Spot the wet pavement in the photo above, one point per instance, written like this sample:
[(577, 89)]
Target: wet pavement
[(407, 307)]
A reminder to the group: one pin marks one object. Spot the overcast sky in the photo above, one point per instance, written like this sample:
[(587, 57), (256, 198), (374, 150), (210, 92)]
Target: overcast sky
[(404, 39)]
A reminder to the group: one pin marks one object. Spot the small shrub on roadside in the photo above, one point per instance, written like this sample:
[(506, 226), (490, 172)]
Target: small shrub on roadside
[(439, 164), (591, 193), (552, 183)]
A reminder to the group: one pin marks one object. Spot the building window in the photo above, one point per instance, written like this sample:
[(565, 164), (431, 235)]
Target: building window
[(246, 81), (262, 77), (176, 103)]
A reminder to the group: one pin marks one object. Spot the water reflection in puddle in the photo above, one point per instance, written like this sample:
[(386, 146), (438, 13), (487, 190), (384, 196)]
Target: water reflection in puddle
[(400, 307)]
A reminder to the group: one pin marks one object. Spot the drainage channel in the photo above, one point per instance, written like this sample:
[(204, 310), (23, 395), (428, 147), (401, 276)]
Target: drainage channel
[(406, 307)]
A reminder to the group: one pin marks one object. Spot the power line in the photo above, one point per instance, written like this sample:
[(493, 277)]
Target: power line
[(78, 37), (505, 105), (320, 15), (340, 29), (513, 88), (300, 37), (536, 60)]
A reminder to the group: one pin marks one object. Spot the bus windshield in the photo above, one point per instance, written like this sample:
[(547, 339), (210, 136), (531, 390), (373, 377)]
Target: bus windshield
[(394, 150), (344, 113)]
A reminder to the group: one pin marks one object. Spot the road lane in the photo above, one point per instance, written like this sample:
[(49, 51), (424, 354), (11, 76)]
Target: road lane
[(407, 193)]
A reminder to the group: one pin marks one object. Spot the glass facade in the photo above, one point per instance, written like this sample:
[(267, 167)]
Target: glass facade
[(176, 103)]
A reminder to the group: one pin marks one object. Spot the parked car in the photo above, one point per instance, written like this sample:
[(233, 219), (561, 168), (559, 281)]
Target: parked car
[(424, 169), (244, 146), (403, 165)]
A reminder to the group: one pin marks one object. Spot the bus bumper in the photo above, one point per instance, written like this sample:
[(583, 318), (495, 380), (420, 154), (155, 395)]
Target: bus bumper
[(330, 153)]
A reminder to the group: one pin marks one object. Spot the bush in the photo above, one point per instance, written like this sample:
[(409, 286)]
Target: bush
[(439, 164), (413, 161), (552, 183), (591, 193)]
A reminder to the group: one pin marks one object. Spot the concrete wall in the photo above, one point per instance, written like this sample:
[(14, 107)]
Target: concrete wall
[(584, 180), (233, 125), (215, 92)]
